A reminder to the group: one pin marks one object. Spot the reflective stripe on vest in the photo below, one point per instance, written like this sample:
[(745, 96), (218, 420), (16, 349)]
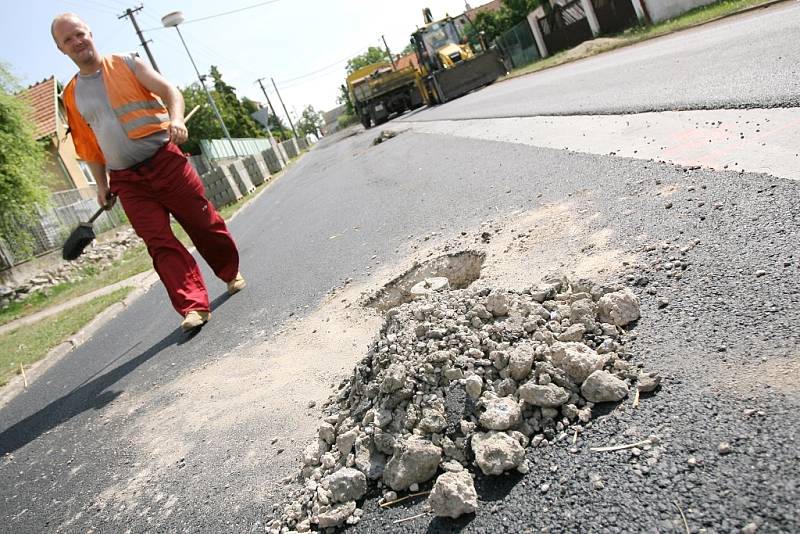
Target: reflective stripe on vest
[(135, 106), (131, 125)]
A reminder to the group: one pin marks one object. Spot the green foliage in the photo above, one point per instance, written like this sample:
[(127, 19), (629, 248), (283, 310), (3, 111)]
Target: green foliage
[(373, 54), (493, 23), (29, 344), (310, 122), (22, 165), (276, 126), (204, 123), (346, 119), (344, 98), (250, 106)]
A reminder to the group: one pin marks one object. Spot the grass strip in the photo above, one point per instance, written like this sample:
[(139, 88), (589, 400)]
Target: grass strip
[(93, 277), (29, 344)]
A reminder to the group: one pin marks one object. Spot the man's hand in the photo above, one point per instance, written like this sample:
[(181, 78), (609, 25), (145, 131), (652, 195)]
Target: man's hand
[(178, 132), (104, 197)]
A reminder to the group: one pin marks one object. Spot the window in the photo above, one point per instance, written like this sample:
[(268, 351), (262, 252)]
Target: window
[(87, 172)]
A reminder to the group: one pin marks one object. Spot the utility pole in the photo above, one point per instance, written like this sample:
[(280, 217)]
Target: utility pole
[(270, 108), (284, 108), (394, 67), (129, 13)]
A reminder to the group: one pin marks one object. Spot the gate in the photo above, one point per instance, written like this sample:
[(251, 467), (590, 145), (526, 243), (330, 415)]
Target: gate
[(518, 45), (615, 16), (565, 26)]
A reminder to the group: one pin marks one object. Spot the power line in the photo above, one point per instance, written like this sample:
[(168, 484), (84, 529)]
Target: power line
[(93, 7), (220, 14), (306, 75)]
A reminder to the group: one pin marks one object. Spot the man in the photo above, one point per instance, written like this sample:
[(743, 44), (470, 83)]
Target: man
[(124, 132)]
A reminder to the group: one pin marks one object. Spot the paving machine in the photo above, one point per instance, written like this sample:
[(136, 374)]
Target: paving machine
[(449, 66)]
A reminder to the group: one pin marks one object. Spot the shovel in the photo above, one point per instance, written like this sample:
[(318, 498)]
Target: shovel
[(80, 237)]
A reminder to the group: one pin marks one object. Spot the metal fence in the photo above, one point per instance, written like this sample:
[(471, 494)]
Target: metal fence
[(67, 209), (215, 149), (518, 45)]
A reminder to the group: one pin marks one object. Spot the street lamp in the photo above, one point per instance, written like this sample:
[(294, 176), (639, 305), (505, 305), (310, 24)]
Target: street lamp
[(171, 20)]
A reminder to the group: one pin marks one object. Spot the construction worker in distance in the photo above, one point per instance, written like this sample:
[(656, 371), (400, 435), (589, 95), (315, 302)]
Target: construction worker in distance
[(126, 122)]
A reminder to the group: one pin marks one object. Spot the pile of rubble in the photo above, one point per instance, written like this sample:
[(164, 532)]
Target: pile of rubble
[(460, 380), (97, 255)]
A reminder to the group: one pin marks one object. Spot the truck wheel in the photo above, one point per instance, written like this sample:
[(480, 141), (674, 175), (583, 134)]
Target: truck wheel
[(365, 121)]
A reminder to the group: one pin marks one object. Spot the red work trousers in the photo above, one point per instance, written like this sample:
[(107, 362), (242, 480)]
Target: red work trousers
[(163, 185)]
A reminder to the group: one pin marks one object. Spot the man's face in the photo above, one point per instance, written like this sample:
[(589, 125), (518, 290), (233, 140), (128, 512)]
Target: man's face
[(74, 39)]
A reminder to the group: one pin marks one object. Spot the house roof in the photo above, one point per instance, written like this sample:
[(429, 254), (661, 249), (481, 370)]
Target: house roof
[(494, 5), (406, 60), (42, 99)]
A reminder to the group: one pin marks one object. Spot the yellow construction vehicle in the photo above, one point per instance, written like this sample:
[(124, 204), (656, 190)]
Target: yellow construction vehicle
[(379, 90), (449, 66)]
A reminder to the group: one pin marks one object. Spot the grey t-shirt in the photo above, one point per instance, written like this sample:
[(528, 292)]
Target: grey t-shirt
[(119, 150)]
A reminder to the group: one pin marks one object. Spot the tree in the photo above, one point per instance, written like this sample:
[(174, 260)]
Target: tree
[(22, 164), (241, 124), (204, 123), (517, 10), (310, 122), (494, 23), (344, 98), (373, 54)]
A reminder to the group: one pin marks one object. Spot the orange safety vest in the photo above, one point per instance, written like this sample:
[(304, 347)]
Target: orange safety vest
[(139, 111)]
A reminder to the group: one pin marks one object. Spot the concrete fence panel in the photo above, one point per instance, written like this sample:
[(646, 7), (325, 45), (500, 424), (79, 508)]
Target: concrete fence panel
[(240, 176), (257, 169), (221, 188), (272, 161), (290, 147)]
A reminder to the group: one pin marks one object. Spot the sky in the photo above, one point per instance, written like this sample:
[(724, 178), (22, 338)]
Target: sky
[(303, 44)]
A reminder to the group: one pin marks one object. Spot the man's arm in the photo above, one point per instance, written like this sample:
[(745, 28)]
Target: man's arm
[(101, 178), (169, 94)]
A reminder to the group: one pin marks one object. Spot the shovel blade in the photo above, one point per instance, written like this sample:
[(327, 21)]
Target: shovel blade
[(78, 240)]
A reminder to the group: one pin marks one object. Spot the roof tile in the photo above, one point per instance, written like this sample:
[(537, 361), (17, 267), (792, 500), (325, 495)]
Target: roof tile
[(42, 99)]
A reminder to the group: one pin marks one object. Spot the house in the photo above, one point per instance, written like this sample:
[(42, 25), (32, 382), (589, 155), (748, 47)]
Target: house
[(468, 16), (494, 5), (66, 171), (330, 119)]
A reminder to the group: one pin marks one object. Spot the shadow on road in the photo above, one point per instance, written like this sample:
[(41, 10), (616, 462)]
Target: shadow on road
[(89, 395)]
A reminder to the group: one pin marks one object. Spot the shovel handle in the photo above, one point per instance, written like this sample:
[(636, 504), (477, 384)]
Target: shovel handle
[(101, 209)]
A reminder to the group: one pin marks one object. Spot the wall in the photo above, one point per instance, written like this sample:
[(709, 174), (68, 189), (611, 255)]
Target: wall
[(66, 149), (666, 9)]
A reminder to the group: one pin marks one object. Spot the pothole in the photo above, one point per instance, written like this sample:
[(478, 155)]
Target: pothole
[(385, 135), (460, 269)]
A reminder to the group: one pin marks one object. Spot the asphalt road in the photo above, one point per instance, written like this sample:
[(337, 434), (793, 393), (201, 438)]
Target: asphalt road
[(747, 61), (64, 448)]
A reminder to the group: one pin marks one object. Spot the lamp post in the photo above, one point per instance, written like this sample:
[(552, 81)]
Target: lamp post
[(173, 20)]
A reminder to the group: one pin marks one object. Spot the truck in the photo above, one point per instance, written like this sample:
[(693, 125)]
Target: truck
[(379, 90), (449, 66)]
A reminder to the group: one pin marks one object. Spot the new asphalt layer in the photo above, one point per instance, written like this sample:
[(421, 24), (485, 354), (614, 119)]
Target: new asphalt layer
[(75, 455)]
